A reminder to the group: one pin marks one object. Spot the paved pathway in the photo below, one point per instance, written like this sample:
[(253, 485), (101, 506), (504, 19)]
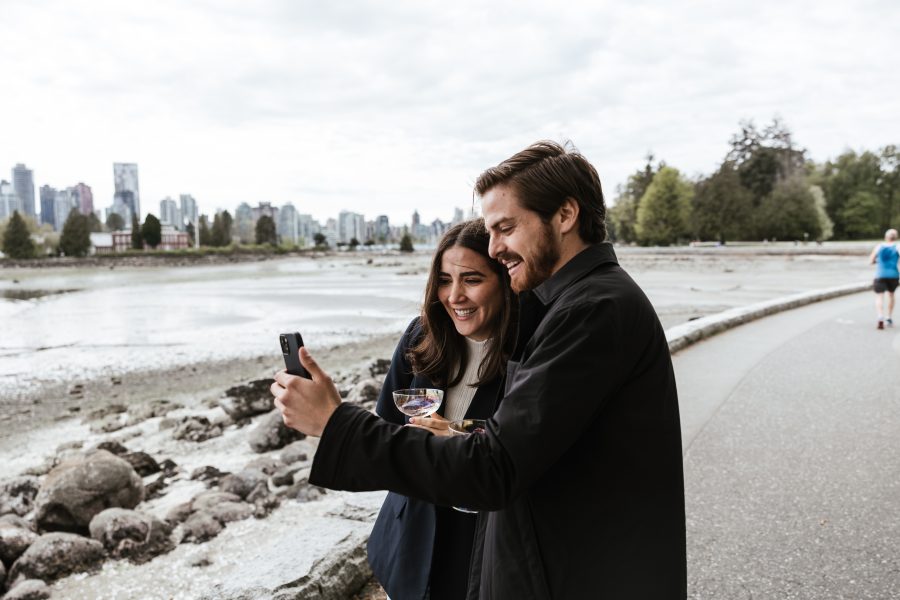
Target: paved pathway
[(792, 457)]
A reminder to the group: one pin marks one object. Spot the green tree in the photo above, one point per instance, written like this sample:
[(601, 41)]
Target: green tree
[(354, 243), (623, 212), (789, 212), (406, 244), (227, 222), (664, 212), (191, 233), (826, 225), (137, 240), (115, 222), (320, 240), (151, 232), (265, 231), (75, 239), (849, 174), (94, 223), (859, 216), (763, 158), (722, 207), (217, 233), (205, 237), (16, 239)]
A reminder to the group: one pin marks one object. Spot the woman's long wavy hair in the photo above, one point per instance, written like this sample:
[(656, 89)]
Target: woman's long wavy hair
[(441, 354)]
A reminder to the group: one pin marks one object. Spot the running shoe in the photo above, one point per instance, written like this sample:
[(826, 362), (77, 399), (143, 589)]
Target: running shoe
[(880, 324)]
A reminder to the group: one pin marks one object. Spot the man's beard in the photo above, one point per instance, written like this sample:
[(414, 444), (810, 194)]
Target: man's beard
[(539, 268)]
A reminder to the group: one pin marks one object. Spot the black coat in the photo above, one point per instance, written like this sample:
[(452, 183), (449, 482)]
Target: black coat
[(581, 464), (411, 535)]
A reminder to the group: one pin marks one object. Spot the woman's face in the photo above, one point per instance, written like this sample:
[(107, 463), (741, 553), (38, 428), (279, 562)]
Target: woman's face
[(470, 291)]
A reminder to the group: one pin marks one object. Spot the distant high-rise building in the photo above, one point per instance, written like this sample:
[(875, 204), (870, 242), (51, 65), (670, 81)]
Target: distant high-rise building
[(351, 226), (48, 204), (170, 214), (85, 198), (457, 216), (244, 227), (288, 226), (330, 231), (307, 228), (382, 229), (23, 186), (63, 203), (9, 203), (415, 220), (127, 191), (189, 212)]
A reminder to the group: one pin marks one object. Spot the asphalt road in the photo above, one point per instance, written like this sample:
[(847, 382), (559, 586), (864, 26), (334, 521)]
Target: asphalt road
[(792, 456)]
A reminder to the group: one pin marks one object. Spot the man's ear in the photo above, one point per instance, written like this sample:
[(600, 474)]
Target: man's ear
[(568, 215)]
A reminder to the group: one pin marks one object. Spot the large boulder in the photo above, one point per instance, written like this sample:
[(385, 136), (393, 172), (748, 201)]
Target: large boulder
[(271, 433), (296, 452), (56, 555), (243, 482), (29, 589), (226, 512), (365, 392), (207, 500), (76, 491), (200, 527), (14, 541), (17, 495), (143, 463), (196, 429), (243, 401), (130, 534)]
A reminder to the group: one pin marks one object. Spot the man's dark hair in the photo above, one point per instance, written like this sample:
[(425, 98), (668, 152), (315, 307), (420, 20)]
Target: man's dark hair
[(546, 173)]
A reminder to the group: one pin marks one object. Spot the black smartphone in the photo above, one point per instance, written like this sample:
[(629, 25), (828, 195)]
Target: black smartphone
[(290, 348)]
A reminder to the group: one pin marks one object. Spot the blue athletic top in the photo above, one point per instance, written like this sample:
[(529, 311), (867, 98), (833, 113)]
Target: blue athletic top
[(886, 262)]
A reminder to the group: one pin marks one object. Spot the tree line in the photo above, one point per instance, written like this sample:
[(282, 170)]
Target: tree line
[(766, 188)]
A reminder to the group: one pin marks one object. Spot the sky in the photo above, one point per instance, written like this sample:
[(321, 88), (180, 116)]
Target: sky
[(390, 107)]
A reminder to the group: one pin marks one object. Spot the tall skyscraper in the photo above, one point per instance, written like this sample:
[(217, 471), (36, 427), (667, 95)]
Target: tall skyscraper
[(382, 229), (288, 226), (9, 203), (63, 204), (457, 216), (48, 204), (85, 198), (351, 226), (127, 192), (244, 226), (189, 212), (23, 185), (170, 214), (415, 220)]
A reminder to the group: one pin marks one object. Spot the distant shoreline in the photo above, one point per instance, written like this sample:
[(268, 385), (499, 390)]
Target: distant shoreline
[(215, 256), (174, 258)]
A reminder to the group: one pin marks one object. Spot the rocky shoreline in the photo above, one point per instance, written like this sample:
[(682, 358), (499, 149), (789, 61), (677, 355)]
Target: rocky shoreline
[(155, 475)]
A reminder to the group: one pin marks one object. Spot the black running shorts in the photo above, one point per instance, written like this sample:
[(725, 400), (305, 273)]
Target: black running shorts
[(886, 285)]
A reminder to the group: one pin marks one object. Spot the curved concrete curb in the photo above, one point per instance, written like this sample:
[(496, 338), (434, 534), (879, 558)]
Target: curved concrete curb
[(682, 336)]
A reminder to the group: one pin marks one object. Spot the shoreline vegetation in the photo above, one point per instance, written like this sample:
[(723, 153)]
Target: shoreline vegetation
[(235, 254)]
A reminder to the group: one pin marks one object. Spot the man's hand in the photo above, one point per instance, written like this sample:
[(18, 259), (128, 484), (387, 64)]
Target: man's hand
[(306, 405)]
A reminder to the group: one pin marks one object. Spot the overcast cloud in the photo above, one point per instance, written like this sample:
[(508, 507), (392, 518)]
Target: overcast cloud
[(382, 108)]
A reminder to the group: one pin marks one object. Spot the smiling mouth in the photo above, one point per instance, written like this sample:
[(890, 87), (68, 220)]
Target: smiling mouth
[(463, 312), (511, 265)]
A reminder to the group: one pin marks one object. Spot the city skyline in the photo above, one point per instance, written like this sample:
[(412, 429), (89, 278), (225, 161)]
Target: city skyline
[(401, 107)]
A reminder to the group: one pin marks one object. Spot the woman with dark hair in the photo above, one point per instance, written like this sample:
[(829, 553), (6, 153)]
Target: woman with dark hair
[(460, 343)]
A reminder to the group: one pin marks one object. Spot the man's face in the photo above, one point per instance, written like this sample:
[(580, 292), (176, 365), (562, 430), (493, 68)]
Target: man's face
[(525, 245)]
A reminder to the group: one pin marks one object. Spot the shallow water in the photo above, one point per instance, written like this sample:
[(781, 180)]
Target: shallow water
[(80, 324), (149, 318)]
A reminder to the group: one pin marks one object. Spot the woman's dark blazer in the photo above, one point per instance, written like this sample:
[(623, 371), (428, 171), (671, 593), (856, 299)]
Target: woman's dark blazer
[(402, 546)]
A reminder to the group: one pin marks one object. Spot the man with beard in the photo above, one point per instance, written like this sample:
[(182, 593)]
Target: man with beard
[(579, 472)]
